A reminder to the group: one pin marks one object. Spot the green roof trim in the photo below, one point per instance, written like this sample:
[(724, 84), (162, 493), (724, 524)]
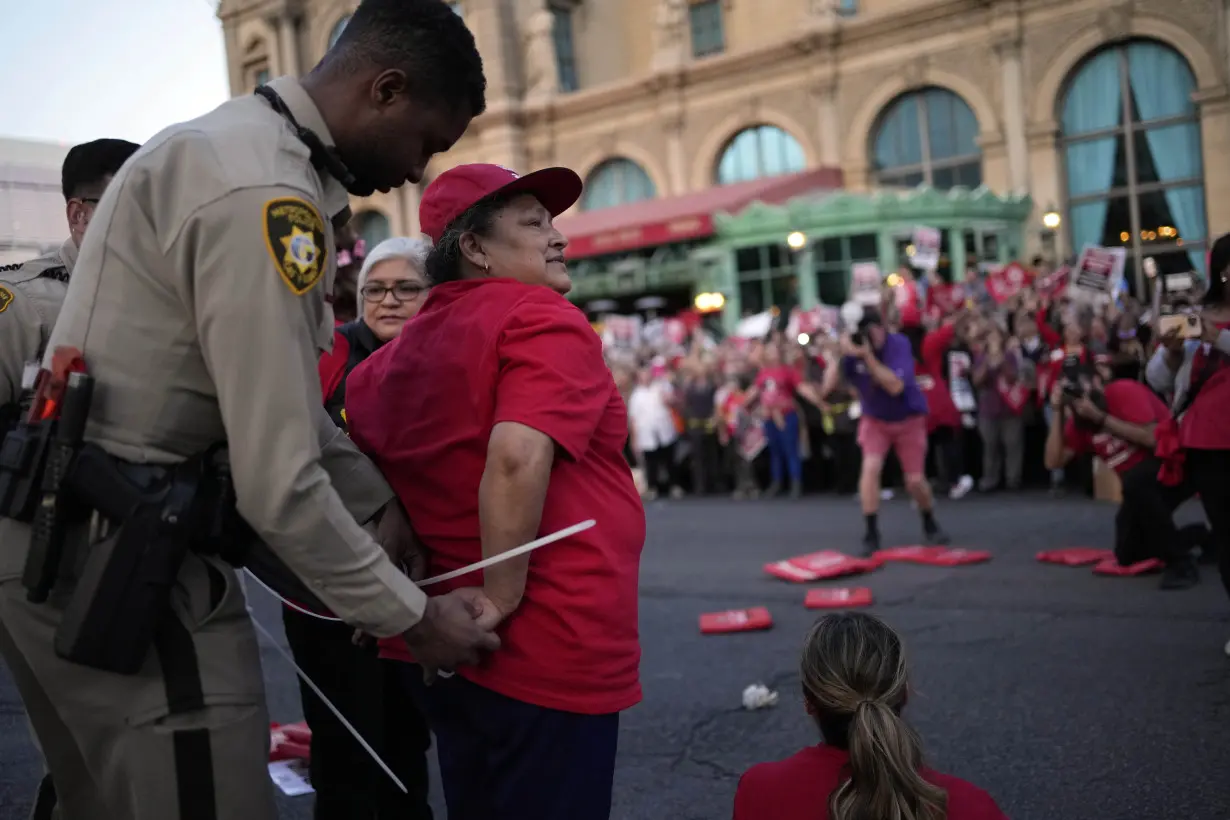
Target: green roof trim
[(840, 212)]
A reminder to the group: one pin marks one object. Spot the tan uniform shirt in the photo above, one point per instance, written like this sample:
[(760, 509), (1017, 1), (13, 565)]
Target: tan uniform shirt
[(199, 303), (29, 305)]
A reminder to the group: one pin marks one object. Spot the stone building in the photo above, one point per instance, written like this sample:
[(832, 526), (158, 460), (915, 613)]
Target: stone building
[(1110, 117), (32, 217)]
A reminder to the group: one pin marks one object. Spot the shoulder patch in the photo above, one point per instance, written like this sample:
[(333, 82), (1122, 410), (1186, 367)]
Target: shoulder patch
[(295, 236), (6, 298)]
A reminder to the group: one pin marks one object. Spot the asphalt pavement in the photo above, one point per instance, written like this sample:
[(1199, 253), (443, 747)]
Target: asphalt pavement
[(1063, 694)]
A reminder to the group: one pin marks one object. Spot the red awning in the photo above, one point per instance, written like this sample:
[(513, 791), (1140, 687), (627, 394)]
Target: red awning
[(679, 218)]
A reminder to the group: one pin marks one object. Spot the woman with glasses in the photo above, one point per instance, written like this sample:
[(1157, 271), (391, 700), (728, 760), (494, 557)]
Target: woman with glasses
[(391, 288)]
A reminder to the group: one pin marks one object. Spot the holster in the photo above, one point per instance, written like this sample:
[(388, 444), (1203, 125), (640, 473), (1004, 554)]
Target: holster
[(123, 591)]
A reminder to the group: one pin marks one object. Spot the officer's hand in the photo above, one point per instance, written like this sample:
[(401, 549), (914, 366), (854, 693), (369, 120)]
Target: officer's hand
[(454, 630), (397, 537)]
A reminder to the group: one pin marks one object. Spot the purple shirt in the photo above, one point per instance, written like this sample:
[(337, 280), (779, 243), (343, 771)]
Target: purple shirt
[(898, 357)]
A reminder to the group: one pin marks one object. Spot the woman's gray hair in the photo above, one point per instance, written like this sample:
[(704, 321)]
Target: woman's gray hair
[(413, 251)]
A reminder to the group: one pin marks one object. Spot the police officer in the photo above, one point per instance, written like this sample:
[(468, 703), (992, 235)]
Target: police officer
[(30, 298), (199, 302)]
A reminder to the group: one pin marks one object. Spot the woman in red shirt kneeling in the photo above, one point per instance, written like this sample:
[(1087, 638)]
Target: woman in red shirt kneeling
[(870, 764), (495, 419)]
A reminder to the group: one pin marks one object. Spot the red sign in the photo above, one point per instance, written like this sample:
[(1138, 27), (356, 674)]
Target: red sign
[(1007, 282), (944, 299)]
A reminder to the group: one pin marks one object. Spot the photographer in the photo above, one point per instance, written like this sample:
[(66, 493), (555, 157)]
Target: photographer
[(1116, 421)]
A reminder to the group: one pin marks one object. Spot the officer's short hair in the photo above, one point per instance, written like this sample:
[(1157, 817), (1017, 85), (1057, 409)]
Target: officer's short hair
[(413, 251), (90, 163), (424, 38)]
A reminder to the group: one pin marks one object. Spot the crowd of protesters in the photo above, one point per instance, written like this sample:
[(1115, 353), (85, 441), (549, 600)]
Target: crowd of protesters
[(744, 416)]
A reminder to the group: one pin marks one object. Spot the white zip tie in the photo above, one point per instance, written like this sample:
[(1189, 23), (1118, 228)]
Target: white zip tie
[(336, 712), (448, 576)]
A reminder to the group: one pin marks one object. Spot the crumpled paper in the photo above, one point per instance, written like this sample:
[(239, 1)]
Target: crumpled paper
[(758, 696)]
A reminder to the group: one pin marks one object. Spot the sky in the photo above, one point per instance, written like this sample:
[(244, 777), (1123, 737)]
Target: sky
[(78, 70)]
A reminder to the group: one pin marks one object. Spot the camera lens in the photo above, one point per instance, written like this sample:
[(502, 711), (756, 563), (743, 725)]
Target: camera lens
[(1191, 320)]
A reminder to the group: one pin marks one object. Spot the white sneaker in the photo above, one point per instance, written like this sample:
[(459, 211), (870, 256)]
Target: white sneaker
[(886, 495), (962, 488)]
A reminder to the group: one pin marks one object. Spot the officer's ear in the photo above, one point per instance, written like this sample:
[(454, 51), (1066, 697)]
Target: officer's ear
[(387, 87), (78, 215)]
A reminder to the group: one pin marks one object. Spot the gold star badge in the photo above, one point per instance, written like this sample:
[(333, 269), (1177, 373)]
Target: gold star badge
[(295, 236)]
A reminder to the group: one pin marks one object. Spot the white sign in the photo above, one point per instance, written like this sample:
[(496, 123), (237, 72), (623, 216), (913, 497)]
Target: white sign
[(755, 327), (1097, 274), (865, 279), (926, 243)]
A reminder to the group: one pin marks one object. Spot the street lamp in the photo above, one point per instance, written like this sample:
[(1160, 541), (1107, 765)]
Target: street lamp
[(709, 302), (1050, 223), (796, 240)]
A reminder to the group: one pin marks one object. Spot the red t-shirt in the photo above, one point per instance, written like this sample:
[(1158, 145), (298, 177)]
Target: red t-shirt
[(799, 787), (1128, 401), (482, 352), (777, 385)]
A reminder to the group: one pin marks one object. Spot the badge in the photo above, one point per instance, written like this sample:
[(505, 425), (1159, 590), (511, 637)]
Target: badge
[(6, 298), (295, 236)]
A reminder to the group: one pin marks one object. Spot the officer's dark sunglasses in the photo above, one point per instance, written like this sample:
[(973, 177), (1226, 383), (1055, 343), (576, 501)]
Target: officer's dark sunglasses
[(402, 292)]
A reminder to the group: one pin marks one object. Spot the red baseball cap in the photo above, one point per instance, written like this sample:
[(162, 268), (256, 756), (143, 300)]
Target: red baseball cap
[(458, 189)]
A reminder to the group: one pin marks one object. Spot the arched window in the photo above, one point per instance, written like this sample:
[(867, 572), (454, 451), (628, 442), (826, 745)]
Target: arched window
[(373, 227), (338, 28), (927, 136), (616, 182), (1132, 157), (760, 151)]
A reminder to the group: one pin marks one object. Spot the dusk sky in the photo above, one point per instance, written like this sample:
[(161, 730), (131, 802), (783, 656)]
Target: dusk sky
[(77, 70)]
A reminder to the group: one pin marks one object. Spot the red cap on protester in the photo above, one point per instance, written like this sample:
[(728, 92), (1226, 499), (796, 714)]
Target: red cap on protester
[(458, 189)]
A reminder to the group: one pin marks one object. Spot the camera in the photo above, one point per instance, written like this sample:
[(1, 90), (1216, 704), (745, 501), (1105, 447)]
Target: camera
[(1074, 373)]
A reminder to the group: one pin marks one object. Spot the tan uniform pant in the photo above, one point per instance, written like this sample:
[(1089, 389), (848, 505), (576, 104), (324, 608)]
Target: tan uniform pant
[(187, 738)]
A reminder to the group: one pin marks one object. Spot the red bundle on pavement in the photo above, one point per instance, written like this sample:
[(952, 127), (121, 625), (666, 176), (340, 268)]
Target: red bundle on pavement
[(838, 598), (735, 620), (817, 565), (1074, 556), (934, 556), (1110, 566), (290, 742)]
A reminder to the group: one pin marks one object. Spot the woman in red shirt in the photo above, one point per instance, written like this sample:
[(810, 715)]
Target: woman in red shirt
[(496, 420), (870, 764)]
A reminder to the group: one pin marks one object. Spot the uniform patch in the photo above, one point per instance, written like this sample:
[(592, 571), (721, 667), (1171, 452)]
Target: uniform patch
[(295, 236), (6, 298)]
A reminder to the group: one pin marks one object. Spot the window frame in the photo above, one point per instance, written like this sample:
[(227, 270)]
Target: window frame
[(719, 16), (890, 177), (1127, 129)]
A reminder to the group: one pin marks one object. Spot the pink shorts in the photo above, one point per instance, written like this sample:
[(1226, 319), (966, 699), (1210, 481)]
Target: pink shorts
[(908, 437)]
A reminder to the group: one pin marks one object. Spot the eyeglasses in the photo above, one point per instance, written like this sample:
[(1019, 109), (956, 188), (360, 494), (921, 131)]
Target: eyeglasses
[(375, 292)]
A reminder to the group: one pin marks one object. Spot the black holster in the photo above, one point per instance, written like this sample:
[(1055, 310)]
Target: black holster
[(123, 591)]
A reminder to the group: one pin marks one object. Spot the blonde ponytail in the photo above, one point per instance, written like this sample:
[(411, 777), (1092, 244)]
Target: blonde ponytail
[(884, 784), (855, 680)]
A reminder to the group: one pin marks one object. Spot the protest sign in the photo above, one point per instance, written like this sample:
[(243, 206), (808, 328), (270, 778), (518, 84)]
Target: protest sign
[(865, 279), (1097, 274)]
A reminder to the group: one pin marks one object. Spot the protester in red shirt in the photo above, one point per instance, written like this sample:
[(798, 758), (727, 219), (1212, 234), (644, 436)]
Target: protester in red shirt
[(1117, 422), (496, 421), (776, 385), (870, 764)]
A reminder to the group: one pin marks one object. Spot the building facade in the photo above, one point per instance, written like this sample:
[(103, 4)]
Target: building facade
[(1113, 115), (32, 218)]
